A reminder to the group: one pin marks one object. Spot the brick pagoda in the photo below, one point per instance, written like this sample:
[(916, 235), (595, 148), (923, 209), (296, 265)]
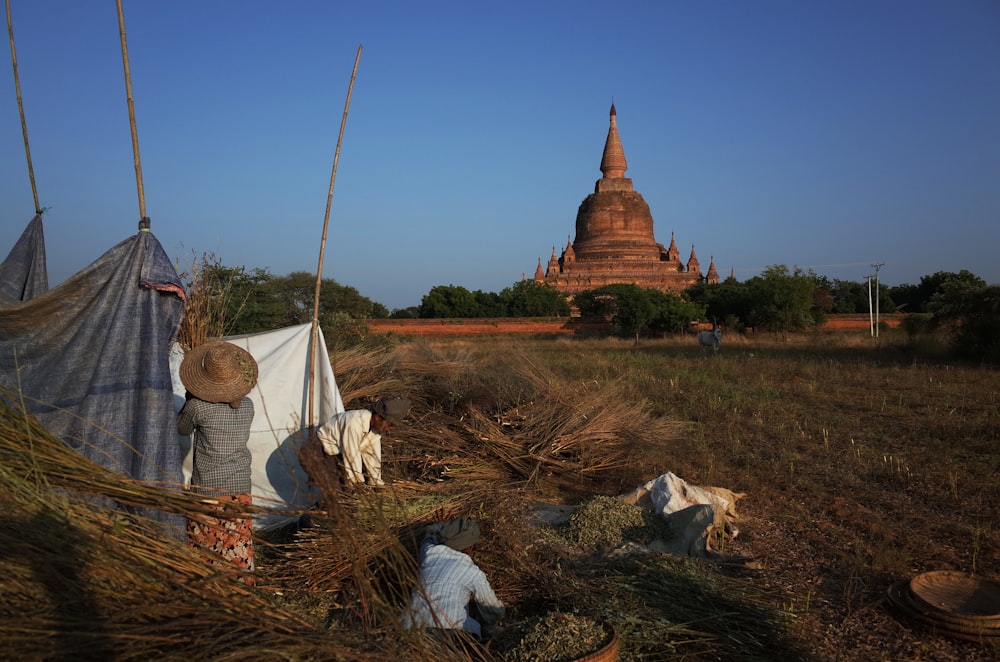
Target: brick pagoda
[(614, 238)]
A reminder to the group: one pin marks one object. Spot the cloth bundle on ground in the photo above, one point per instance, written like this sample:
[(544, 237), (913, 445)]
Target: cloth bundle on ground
[(693, 512)]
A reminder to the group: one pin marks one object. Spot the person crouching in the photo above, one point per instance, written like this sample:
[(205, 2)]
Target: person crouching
[(450, 584), (356, 435)]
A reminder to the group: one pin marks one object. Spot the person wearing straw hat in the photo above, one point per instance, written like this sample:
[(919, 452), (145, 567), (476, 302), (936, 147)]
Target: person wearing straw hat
[(450, 584), (356, 436), (217, 414)]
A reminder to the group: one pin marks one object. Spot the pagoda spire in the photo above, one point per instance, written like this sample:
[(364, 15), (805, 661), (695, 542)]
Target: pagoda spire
[(673, 253), (553, 267), (693, 264), (569, 255), (613, 163)]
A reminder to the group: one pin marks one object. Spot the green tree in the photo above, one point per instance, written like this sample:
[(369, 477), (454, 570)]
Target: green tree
[(448, 301), (782, 300), (457, 301), (247, 301), (629, 306), (488, 304), (595, 304), (823, 301), (296, 294), (971, 310), (916, 298), (672, 313), (727, 303), (411, 312), (530, 298), (907, 297), (849, 297)]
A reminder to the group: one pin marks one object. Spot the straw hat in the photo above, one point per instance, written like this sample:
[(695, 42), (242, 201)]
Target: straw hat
[(218, 371)]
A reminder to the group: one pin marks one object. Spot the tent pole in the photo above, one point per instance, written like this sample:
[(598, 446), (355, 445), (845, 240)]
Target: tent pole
[(322, 243), (20, 107), (144, 221)]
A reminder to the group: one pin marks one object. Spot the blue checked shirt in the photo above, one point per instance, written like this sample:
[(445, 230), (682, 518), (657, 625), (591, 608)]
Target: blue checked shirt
[(449, 581), (220, 433)]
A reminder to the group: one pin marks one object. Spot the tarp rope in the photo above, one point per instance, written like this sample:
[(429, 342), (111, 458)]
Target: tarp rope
[(322, 243), (20, 107), (143, 219)]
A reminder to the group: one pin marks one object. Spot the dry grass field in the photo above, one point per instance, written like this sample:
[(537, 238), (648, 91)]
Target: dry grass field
[(863, 464)]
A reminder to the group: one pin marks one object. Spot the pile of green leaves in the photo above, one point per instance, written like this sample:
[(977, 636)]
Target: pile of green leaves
[(605, 522)]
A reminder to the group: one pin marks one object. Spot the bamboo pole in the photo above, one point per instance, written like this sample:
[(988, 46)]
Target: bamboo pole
[(322, 243), (143, 220), (20, 107)]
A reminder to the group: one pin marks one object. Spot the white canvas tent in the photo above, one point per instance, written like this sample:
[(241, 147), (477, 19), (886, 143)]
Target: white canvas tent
[(281, 410)]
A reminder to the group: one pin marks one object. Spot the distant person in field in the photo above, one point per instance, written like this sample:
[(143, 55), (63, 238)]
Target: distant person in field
[(356, 436), (217, 413), (452, 598)]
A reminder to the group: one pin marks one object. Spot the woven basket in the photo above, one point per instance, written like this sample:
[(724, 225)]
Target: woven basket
[(608, 652), (903, 599), (957, 595)]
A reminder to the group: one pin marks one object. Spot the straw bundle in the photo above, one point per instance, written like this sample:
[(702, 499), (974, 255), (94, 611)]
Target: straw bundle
[(86, 577)]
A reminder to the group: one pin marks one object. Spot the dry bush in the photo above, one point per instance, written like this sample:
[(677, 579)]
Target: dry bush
[(205, 303)]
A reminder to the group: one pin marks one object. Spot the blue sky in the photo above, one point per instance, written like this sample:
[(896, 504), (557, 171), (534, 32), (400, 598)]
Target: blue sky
[(828, 135)]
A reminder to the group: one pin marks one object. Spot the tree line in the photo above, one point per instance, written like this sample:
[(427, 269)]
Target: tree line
[(779, 300)]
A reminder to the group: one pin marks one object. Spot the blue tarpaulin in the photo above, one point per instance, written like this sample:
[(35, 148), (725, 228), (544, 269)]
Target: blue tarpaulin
[(23, 274), (91, 359)]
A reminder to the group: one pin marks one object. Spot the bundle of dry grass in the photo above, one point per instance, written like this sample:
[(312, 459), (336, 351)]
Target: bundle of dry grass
[(499, 416), (86, 577)]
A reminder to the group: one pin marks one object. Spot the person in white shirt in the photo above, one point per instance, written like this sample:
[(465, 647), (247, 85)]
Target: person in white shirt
[(450, 583), (356, 436)]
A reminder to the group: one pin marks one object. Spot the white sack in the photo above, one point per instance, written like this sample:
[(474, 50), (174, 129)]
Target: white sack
[(669, 493), (692, 511)]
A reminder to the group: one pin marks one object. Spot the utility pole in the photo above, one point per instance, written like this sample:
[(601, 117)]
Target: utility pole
[(876, 266), (871, 323)]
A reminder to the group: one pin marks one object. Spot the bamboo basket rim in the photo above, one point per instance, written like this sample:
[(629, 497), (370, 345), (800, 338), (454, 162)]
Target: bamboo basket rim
[(901, 598), (959, 595), (608, 652)]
